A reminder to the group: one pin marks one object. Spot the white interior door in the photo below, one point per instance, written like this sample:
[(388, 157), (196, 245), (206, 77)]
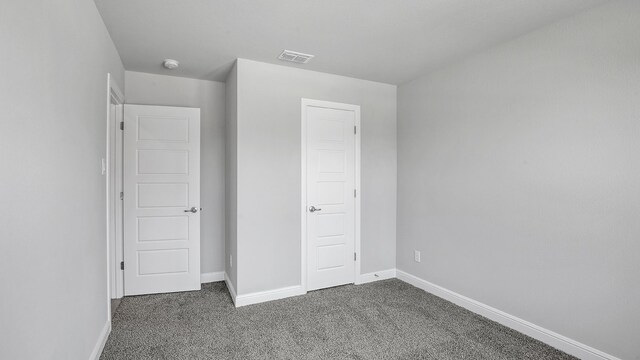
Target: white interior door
[(330, 193), (161, 199)]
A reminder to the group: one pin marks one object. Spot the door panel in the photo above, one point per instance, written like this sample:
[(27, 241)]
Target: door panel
[(161, 182), (330, 142), (163, 195), (159, 228), (163, 162)]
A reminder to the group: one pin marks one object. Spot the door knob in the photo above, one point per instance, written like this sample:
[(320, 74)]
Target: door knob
[(314, 209), (192, 210)]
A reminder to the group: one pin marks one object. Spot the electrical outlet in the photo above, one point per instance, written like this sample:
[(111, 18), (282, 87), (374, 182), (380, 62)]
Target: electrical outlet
[(416, 255)]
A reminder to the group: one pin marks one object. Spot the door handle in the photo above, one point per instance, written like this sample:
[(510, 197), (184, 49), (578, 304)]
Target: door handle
[(314, 209), (192, 210)]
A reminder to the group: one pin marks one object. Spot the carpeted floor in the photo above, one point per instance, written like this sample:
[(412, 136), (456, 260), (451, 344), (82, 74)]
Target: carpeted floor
[(382, 320)]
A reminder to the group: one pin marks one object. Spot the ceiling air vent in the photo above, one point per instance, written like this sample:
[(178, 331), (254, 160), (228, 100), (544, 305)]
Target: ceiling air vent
[(295, 57)]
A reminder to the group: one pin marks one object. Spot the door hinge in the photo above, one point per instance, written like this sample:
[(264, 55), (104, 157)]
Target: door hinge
[(121, 125), (354, 256), (121, 195), (354, 192), (354, 130), (121, 265)]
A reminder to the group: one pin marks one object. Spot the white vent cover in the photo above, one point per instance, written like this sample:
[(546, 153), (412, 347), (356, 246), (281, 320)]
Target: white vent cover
[(295, 57)]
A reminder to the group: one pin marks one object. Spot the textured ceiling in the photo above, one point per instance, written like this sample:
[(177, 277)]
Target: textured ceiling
[(391, 41)]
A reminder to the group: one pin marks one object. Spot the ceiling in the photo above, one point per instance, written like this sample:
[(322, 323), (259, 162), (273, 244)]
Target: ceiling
[(391, 41)]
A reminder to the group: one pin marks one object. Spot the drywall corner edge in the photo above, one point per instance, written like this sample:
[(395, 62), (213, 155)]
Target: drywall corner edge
[(232, 290)]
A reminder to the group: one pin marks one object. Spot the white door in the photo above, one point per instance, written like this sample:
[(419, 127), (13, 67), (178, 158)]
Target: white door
[(161, 199), (330, 192)]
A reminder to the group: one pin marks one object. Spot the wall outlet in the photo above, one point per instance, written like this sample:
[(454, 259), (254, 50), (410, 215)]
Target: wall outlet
[(230, 260), (416, 255)]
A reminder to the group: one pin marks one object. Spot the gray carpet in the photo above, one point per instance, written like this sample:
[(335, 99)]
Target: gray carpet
[(383, 320)]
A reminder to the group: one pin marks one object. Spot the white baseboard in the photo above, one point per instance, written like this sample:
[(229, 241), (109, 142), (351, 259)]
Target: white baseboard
[(102, 340), (232, 290), (375, 276), (296, 290), (549, 337), (269, 295), (211, 277)]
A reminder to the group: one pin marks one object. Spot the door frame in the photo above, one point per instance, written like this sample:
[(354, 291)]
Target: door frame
[(303, 207), (115, 278)]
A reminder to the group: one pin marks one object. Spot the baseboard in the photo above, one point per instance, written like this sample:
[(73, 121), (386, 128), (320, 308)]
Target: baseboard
[(102, 340), (277, 294), (232, 290), (269, 295), (375, 276), (211, 277), (549, 337)]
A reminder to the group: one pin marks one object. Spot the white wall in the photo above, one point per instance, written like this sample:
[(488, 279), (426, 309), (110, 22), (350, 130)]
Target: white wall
[(268, 170), (53, 251), (209, 96), (519, 178), (231, 199)]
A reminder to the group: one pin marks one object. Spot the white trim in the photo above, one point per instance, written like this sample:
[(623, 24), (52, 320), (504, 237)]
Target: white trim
[(211, 277), (303, 197), (376, 276), (358, 199), (303, 166), (276, 294), (549, 337), (269, 295), (232, 290), (102, 340), (113, 86), (113, 92), (119, 213)]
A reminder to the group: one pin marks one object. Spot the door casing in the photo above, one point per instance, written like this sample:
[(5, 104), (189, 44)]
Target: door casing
[(115, 279), (303, 176)]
